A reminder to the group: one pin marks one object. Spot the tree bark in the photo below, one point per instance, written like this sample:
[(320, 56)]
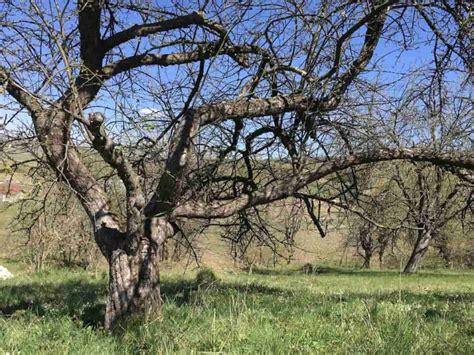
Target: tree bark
[(367, 257), (134, 284), (134, 278), (381, 254), (419, 250), (132, 255), (367, 245)]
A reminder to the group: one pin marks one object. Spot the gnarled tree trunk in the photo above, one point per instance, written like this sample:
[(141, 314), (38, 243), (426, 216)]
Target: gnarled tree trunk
[(367, 257), (419, 250), (367, 245), (134, 283), (134, 278)]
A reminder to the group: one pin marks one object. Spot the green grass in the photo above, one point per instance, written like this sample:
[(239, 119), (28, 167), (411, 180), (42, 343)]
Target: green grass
[(8, 241), (269, 311)]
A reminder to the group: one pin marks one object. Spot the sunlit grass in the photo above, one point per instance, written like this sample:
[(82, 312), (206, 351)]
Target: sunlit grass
[(336, 311)]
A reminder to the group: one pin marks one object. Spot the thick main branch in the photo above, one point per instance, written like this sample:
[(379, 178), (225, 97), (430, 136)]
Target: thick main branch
[(288, 187), (143, 30)]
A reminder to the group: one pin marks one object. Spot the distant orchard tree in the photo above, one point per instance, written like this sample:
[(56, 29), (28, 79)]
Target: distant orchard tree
[(414, 201), (204, 109), (433, 198)]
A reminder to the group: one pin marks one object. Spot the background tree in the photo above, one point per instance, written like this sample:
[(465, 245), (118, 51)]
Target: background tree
[(431, 195), (412, 204), (207, 109), (373, 236), (432, 200)]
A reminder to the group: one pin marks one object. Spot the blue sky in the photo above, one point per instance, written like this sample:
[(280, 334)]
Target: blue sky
[(392, 66)]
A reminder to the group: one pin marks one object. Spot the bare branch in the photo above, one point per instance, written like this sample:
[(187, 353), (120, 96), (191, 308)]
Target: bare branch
[(136, 31), (288, 187), (203, 52), (22, 95), (115, 157)]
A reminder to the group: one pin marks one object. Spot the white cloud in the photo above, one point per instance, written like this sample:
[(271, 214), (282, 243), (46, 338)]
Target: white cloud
[(156, 113)]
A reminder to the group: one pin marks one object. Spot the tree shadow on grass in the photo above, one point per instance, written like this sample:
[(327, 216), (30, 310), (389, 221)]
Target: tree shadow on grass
[(326, 270), (316, 270), (78, 299), (392, 273), (181, 292), (85, 300)]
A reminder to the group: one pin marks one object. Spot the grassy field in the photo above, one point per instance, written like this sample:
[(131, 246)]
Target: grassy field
[(269, 311), (282, 310), (10, 243)]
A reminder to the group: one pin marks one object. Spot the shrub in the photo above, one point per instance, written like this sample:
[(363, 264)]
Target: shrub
[(206, 277)]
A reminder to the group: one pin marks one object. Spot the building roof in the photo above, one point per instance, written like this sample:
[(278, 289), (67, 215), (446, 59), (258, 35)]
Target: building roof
[(10, 187)]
